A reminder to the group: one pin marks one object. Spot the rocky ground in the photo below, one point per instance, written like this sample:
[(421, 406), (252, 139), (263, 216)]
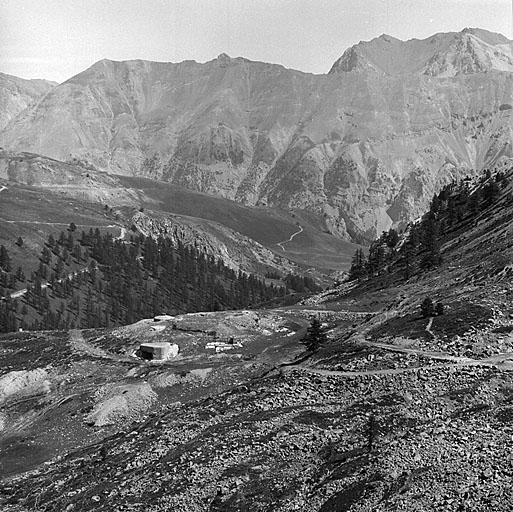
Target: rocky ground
[(434, 438), (363, 425), (61, 391)]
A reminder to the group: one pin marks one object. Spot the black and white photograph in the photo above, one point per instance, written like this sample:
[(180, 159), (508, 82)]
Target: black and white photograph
[(256, 256)]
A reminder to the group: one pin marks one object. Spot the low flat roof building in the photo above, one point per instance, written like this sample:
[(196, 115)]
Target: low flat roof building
[(158, 351)]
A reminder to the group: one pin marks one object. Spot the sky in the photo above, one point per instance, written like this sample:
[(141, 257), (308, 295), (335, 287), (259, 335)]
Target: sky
[(56, 39)]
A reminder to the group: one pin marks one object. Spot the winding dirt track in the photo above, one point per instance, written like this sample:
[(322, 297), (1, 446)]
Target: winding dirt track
[(23, 291), (291, 237), (502, 361)]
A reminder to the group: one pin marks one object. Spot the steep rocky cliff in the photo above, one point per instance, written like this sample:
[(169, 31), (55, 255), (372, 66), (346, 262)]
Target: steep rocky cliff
[(237, 251), (364, 146)]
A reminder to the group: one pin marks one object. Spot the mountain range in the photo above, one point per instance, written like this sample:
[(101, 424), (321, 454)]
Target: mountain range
[(363, 147)]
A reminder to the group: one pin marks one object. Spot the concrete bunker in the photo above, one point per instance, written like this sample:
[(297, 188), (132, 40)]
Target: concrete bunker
[(157, 351)]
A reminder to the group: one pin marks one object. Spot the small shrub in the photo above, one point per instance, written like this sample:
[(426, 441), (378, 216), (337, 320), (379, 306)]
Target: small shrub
[(427, 308)]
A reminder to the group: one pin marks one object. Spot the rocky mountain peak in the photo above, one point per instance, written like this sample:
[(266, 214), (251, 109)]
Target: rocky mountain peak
[(472, 50), (492, 38)]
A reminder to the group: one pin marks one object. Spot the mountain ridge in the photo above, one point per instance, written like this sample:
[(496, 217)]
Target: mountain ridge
[(436, 55), (360, 149)]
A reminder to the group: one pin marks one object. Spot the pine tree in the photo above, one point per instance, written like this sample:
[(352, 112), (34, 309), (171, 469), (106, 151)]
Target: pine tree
[(358, 268), (392, 237), (408, 259), (490, 192), (377, 257), (20, 276), (431, 229), (46, 255), (474, 202), (315, 336), (5, 260)]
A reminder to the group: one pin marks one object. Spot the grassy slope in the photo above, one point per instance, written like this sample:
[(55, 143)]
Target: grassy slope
[(268, 226), (34, 213)]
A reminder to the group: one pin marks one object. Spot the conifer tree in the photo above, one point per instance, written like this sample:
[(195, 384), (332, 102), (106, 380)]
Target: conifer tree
[(431, 244), (5, 260), (358, 268), (20, 276), (315, 336)]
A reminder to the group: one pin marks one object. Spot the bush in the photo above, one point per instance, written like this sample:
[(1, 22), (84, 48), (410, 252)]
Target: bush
[(427, 308)]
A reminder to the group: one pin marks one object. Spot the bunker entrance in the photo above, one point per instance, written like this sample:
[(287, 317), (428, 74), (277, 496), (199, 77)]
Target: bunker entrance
[(146, 355)]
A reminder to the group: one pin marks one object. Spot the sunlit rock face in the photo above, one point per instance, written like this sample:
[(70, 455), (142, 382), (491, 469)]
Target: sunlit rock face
[(364, 146)]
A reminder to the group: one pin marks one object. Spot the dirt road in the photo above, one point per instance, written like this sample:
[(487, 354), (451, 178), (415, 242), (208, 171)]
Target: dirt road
[(291, 237)]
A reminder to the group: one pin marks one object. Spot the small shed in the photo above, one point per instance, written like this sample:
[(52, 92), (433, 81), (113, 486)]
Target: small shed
[(158, 351)]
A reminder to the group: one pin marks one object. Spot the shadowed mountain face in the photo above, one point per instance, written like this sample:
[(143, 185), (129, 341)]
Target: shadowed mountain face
[(17, 94), (364, 146)]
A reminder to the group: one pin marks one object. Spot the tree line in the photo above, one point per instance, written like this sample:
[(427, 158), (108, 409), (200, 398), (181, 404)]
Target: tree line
[(95, 280)]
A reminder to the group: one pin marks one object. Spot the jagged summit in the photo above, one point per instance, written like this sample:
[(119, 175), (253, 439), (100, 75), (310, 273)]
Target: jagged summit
[(472, 50), (492, 38)]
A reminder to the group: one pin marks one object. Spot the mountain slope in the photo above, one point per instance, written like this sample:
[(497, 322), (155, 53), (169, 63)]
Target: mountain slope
[(360, 149), (43, 193), (16, 94)]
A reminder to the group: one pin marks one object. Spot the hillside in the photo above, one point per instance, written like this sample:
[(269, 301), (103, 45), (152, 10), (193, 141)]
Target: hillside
[(41, 196), (92, 279), (295, 234), (397, 411), (361, 148)]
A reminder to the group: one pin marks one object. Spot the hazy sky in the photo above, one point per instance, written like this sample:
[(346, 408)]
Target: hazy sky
[(56, 39)]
